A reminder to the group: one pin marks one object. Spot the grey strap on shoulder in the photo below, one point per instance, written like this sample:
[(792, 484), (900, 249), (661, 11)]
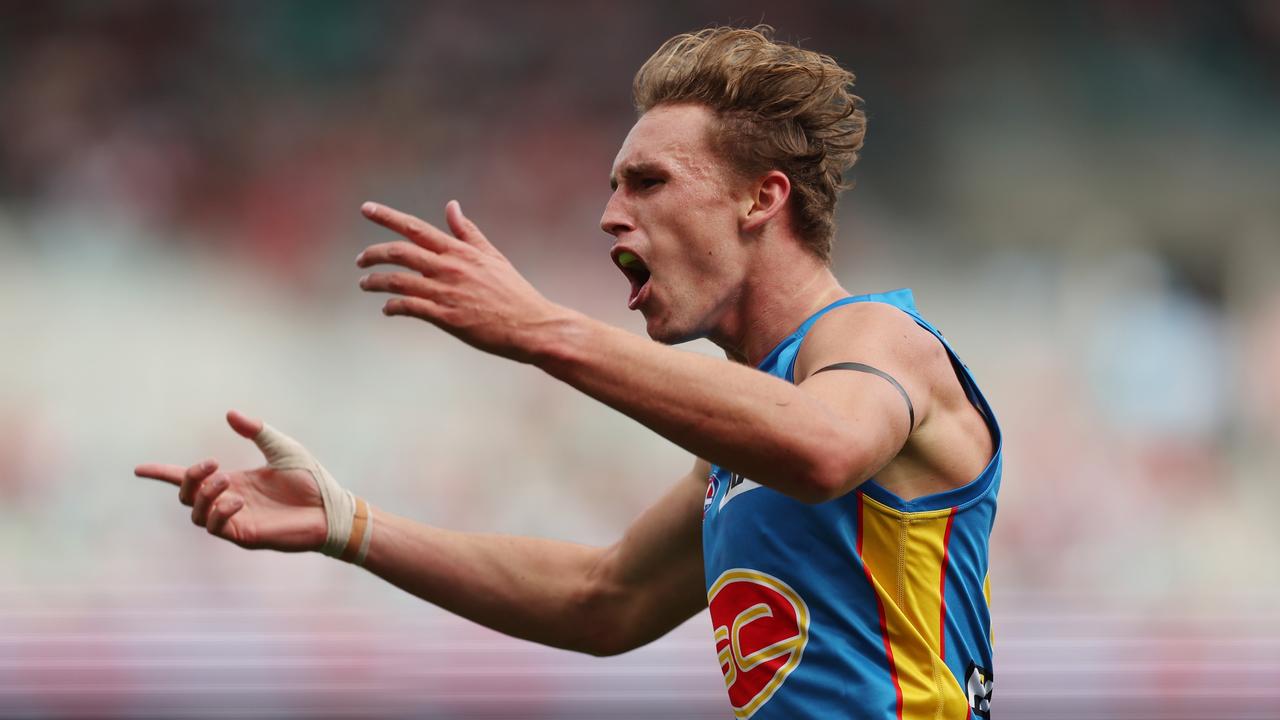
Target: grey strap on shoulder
[(859, 367)]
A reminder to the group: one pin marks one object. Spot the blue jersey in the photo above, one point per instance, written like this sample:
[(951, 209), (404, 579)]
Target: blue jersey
[(866, 606)]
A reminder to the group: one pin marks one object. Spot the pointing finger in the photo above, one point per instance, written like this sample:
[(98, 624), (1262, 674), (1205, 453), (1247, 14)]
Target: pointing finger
[(415, 229), (156, 471)]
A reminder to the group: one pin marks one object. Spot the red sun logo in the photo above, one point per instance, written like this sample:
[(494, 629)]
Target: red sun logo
[(761, 628)]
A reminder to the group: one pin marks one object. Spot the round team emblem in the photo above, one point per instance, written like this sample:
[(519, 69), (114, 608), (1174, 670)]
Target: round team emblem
[(761, 628), (711, 494)]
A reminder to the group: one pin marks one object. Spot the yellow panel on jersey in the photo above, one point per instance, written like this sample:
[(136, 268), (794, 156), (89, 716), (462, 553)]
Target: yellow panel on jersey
[(986, 594), (905, 557)]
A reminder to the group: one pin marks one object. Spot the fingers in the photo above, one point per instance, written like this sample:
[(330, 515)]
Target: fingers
[(400, 284), (462, 227), (415, 229), (422, 308), (205, 497), (244, 426), (192, 478), (400, 253), (221, 511), (156, 471)]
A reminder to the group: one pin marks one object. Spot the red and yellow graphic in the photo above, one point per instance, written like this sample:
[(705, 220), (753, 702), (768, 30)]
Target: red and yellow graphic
[(761, 629)]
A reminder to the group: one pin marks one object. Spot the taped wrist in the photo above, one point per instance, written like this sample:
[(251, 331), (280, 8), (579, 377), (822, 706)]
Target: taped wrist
[(348, 519), (357, 546)]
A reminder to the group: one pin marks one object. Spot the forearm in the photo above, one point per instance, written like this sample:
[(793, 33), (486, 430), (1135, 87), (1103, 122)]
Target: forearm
[(732, 415), (529, 588)]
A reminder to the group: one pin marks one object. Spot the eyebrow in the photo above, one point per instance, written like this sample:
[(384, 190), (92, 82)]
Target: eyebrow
[(633, 169)]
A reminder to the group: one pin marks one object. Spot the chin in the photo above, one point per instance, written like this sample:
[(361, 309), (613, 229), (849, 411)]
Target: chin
[(666, 333)]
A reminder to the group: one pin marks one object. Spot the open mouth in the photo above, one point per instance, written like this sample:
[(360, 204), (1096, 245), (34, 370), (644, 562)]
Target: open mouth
[(637, 272)]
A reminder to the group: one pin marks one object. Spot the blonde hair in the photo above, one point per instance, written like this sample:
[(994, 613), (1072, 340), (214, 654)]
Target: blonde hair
[(777, 107)]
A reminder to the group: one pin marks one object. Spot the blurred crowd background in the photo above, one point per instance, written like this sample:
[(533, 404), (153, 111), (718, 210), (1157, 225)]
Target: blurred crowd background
[(1084, 196)]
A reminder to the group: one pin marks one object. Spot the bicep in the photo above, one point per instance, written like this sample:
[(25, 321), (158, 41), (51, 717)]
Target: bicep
[(874, 421), (871, 369), (653, 575)]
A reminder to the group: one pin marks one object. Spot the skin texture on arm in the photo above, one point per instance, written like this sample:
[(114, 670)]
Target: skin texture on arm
[(595, 600), (601, 601), (809, 442), (815, 440)]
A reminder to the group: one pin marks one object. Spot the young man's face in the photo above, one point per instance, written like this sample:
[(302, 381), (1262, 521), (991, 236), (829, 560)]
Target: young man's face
[(676, 206)]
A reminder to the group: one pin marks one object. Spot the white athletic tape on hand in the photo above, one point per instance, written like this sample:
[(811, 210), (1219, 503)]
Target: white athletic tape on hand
[(285, 453)]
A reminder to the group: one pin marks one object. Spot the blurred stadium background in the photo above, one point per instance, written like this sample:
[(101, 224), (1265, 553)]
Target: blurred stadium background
[(1085, 196)]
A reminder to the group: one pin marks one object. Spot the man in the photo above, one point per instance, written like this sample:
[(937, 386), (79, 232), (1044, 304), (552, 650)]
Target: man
[(836, 520)]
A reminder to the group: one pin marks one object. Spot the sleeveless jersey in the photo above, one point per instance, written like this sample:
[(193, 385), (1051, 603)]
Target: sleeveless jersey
[(866, 606)]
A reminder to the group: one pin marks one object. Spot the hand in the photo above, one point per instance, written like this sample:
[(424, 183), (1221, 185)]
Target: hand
[(260, 508), (459, 283)]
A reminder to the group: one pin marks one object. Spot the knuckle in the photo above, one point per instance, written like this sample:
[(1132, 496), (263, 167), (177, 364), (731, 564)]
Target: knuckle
[(213, 487), (449, 270)]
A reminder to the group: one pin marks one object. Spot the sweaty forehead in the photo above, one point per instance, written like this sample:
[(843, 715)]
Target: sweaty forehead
[(672, 137)]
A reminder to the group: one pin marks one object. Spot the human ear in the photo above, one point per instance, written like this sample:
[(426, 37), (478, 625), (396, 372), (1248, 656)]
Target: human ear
[(771, 193)]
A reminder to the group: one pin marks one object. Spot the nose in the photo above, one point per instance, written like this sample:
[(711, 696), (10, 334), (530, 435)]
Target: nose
[(615, 219)]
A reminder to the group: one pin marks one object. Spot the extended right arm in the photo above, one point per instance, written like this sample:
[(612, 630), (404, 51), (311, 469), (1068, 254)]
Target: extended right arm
[(601, 601)]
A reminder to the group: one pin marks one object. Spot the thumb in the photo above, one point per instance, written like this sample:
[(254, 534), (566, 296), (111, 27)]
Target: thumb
[(245, 427), (461, 225), (279, 449)]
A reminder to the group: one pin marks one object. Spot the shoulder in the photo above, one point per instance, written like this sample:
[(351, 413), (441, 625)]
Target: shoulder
[(876, 334)]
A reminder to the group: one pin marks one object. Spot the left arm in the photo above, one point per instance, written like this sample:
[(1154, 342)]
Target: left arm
[(812, 441)]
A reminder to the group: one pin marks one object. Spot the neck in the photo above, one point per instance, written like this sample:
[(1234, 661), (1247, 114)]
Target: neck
[(772, 303)]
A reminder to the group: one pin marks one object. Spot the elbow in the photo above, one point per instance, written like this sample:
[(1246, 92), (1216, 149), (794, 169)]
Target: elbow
[(596, 613), (830, 475), (817, 489), (606, 647)]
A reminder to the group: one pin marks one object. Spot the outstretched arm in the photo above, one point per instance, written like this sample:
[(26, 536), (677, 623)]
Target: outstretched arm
[(595, 600), (804, 441), (601, 601)]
